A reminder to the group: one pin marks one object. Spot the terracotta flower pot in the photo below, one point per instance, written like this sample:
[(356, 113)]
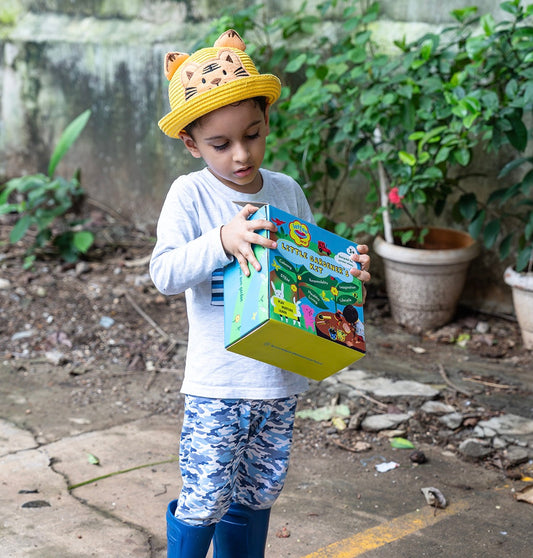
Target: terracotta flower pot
[(424, 284), (522, 287)]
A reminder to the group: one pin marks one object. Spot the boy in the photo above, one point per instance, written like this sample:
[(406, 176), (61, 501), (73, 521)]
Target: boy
[(239, 413)]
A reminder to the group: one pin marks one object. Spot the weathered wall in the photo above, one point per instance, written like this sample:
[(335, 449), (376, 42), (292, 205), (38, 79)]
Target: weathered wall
[(55, 65), (59, 57)]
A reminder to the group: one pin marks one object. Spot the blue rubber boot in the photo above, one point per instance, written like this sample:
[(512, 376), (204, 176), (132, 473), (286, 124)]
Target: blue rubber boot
[(241, 533), (186, 541)]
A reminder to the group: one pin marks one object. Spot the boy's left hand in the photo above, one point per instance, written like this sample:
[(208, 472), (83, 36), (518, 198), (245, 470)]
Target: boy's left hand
[(363, 259)]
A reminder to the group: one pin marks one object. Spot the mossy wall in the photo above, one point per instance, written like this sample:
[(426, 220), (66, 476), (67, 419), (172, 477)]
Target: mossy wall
[(60, 57)]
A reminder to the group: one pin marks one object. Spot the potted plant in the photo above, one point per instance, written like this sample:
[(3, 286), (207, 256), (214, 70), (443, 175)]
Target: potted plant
[(421, 142), (516, 203), (475, 91), (500, 74), (350, 112), (407, 123)]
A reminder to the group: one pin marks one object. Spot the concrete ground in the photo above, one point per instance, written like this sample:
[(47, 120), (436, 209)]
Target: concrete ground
[(56, 503), (331, 506)]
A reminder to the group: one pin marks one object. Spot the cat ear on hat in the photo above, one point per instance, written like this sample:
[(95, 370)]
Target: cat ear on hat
[(173, 60), (230, 38)]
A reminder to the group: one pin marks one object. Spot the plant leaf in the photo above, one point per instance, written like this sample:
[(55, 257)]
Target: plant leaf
[(468, 206), (92, 459), (474, 229), (83, 240), (523, 258), (296, 63), (505, 246), (68, 137), (407, 158), (492, 230), (517, 134), (20, 228), (401, 443)]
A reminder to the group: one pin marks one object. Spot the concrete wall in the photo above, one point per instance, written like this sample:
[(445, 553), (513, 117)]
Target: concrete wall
[(59, 57), (57, 64)]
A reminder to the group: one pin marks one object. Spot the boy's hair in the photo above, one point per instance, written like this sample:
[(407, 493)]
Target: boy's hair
[(212, 78), (259, 101)]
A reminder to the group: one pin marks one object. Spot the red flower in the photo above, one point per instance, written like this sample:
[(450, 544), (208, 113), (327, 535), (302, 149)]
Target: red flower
[(395, 198)]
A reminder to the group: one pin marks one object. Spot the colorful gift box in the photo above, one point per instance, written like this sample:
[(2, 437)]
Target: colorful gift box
[(303, 311)]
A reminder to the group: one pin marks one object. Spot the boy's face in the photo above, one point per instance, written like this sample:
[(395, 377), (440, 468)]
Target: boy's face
[(231, 140)]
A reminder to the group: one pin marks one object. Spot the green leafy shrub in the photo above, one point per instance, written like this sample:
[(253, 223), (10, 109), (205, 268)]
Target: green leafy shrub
[(46, 203), (500, 108), (474, 85), (409, 122), (325, 59)]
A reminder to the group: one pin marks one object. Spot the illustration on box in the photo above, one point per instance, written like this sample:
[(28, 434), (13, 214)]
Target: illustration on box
[(311, 287)]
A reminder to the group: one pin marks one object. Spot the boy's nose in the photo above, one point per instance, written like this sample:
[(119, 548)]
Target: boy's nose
[(241, 153)]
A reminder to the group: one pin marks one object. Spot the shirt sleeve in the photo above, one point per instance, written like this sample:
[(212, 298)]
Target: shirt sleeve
[(184, 255)]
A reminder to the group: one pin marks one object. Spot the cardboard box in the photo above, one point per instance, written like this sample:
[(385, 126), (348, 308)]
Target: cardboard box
[(303, 311)]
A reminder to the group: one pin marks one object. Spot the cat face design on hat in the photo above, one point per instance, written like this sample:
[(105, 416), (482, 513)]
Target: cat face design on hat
[(198, 78), (212, 78)]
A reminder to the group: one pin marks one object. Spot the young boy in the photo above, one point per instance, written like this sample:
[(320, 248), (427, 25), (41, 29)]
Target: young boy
[(239, 412)]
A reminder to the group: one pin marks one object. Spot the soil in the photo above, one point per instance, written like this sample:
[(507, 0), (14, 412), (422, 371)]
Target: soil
[(96, 337)]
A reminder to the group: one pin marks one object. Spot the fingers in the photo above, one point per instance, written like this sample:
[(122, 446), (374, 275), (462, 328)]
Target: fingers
[(248, 210), (244, 262), (239, 236), (363, 259), (363, 276), (245, 255), (257, 225)]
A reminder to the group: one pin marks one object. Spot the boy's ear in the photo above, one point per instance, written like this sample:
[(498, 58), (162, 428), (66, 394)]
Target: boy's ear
[(267, 118), (190, 144)]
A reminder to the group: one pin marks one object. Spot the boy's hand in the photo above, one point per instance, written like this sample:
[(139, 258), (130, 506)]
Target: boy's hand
[(239, 234), (364, 260)]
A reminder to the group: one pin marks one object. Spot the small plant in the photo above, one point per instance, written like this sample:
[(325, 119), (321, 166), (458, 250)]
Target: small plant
[(47, 204)]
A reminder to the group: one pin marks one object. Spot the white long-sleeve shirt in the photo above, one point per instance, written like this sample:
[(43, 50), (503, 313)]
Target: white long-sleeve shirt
[(187, 253)]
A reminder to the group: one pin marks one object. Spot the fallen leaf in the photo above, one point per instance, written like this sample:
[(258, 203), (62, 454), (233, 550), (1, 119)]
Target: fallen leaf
[(525, 495), (462, 340), (401, 443), (324, 413), (92, 459), (358, 447), (338, 423)]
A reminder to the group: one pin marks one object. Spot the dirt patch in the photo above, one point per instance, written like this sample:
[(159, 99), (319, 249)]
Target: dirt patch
[(82, 345)]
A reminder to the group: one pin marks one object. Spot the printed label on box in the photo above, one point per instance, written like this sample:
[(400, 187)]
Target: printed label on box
[(305, 284)]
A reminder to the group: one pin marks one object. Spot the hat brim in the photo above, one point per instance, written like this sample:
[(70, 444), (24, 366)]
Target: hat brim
[(264, 85)]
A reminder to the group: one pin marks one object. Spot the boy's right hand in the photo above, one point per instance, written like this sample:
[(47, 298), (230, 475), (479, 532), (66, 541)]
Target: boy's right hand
[(239, 234)]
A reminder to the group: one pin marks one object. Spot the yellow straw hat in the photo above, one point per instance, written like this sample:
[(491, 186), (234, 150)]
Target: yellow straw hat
[(212, 78)]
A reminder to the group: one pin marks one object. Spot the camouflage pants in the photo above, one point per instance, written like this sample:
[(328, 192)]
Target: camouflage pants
[(232, 450)]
